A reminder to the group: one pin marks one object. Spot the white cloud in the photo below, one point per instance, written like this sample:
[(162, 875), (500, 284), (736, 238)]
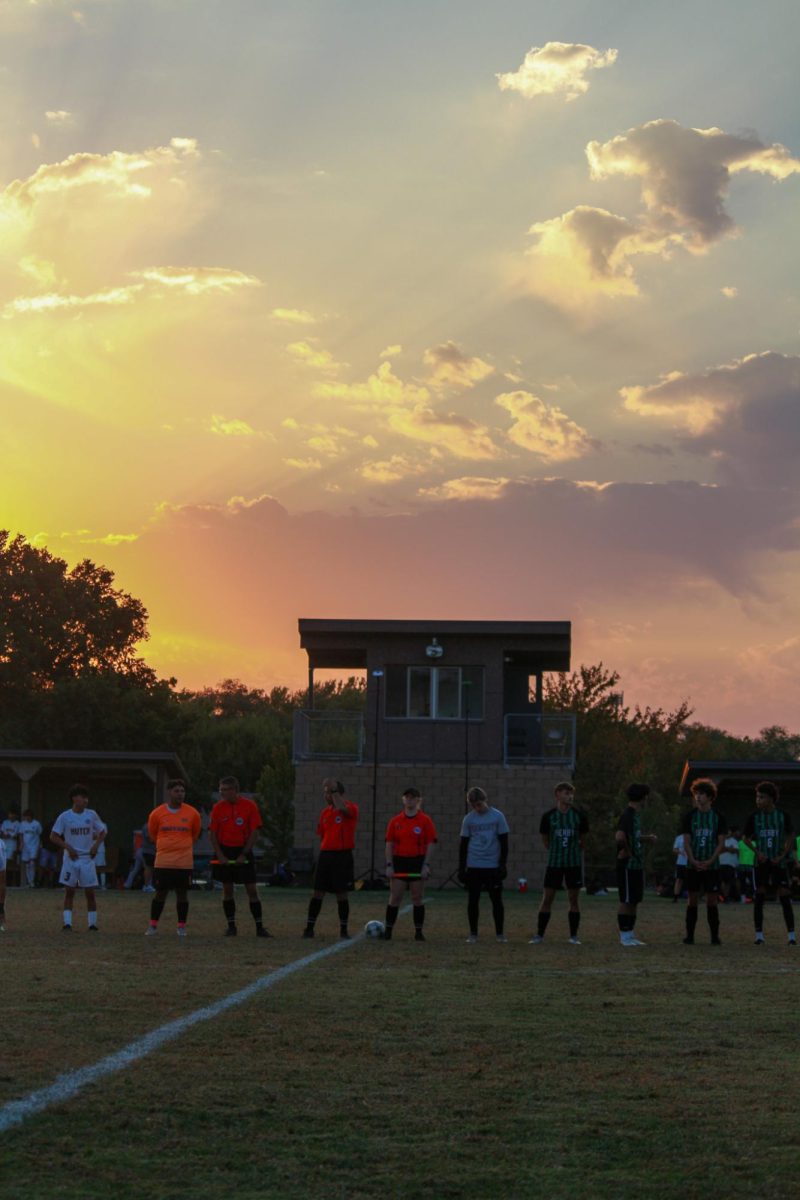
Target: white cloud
[(196, 280), (556, 68), (730, 293), (685, 173), (467, 487), (294, 316), (450, 367), (391, 351), (58, 116), (745, 415), (231, 427), (311, 356), (544, 430)]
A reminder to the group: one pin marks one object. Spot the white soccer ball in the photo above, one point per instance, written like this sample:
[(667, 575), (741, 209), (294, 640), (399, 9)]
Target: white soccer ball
[(374, 929)]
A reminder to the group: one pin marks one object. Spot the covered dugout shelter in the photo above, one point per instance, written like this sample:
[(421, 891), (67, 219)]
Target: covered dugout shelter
[(123, 786)]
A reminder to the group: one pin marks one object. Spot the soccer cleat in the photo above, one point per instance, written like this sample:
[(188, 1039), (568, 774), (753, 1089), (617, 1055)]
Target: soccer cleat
[(760, 939), (2, 927), (151, 931), (500, 937), (636, 941), (66, 929), (689, 940), (626, 938), (262, 932), (574, 941), (715, 941), (308, 932), (387, 933), (181, 931), (344, 936), (473, 937), (536, 939), (419, 936), (148, 888), (792, 941), (92, 929), (231, 931)]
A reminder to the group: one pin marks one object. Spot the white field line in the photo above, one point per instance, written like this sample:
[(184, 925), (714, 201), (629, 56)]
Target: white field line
[(68, 1085)]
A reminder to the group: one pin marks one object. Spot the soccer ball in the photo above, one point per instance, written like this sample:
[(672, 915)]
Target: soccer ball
[(374, 929)]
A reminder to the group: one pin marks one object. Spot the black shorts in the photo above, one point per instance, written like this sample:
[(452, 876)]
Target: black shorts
[(227, 872), (411, 865), (483, 878), (770, 875), (571, 877), (630, 881), (148, 859), (680, 871), (167, 879), (702, 881), (334, 871)]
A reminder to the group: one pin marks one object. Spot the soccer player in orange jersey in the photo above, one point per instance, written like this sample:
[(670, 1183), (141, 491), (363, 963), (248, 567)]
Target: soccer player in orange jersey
[(235, 822), (337, 830), (410, 838), (174, 827)]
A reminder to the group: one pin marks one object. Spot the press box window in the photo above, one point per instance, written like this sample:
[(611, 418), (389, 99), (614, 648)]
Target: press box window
[(434, 693)]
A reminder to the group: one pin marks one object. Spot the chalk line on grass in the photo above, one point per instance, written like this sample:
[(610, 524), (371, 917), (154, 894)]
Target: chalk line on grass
[(68, 1085)]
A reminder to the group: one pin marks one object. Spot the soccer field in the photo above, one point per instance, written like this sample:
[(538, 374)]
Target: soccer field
[(403, 1069)]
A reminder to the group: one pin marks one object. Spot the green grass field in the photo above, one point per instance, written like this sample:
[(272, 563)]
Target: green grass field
[(403, 1070)]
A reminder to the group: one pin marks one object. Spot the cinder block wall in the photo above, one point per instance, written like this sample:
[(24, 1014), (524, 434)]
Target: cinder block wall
[(523, 793)]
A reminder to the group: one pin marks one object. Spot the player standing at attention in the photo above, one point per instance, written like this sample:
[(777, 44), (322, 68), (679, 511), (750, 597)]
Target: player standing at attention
[(9, 832), (630, 862), (336, 829), (30, 837), (563, 831), (174, 827), (770, 835), (703, 830), (78, 831), (482, 857), (235, 822), (410, 838)]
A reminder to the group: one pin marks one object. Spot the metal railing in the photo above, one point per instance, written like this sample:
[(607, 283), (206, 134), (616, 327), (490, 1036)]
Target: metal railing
[(338, 736), (539, 738)]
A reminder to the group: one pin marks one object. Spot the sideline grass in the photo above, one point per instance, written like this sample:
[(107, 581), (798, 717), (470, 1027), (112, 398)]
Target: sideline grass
[(404, 1070)]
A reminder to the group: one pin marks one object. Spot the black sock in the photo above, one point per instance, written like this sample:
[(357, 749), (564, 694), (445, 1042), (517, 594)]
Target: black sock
[(498, 909), (473, 908), (419, 916), (257, 911), (574, 922), (712, 912), (343, 907), (391, 915), (788, 913), (229, 908), (182, 907), (314, 905), (758, 912), (541, 925), (691, 919), (156, 909), (625, 922)]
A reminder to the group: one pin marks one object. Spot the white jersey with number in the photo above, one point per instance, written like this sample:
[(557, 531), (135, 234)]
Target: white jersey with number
[(79, 830)]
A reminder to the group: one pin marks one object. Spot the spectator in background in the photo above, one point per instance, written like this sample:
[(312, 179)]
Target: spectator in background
[(48, 859), (728, 865), (744, 872), (9, 832), (679, 850), (30, 837), (143, 860)]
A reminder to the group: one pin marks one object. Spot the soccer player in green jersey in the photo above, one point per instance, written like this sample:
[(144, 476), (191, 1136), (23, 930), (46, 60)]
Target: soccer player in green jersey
[(563, 830), (630, 862), (703, 830), (769, 834)]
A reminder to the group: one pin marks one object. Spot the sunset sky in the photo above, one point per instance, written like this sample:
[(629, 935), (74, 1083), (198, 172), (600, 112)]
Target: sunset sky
[(414, 308)]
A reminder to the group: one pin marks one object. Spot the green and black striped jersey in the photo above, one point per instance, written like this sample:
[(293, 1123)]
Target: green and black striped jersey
[(769, 830), (564, 831), (704, 829)]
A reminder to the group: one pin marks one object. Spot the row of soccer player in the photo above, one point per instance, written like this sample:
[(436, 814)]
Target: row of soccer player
[(410, 837)]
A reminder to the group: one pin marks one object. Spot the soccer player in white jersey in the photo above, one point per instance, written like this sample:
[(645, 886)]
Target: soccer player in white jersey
[(79, 831), (30, 836)]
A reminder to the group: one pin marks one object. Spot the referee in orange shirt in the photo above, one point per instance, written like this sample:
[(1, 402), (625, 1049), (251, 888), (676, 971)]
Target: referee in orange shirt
[(337, 830), (235, 822), (174, 827), (410, 838)]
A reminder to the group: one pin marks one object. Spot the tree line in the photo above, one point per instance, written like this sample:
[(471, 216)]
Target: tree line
[(72, 677)]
